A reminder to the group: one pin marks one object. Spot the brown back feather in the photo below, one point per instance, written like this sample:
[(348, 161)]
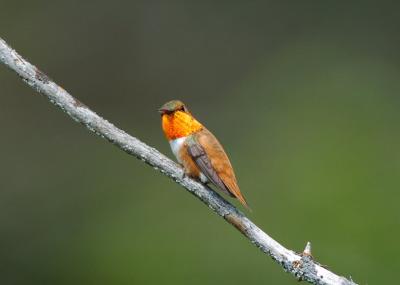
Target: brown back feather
[(220, 162)]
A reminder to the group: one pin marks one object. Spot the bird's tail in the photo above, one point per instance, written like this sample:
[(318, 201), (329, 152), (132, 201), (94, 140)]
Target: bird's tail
[(243, 201), (233, 190)]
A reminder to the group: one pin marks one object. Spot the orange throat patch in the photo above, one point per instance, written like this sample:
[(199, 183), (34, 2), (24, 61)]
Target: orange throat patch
[(179, 124)]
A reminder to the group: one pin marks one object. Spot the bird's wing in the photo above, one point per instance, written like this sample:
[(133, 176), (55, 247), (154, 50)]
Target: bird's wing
[(211, 158), (203, 162)]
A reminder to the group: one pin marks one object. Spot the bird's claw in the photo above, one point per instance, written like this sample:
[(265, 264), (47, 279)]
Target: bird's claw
[(183, 175)]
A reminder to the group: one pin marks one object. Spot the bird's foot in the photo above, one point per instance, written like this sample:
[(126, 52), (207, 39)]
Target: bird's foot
[(184, 174)]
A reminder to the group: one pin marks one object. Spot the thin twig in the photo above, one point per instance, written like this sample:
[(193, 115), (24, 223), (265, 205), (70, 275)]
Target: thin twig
[(301, 266)]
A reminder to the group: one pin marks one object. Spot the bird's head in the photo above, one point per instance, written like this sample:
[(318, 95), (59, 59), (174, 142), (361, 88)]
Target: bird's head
[(177, 121), (172, 107)]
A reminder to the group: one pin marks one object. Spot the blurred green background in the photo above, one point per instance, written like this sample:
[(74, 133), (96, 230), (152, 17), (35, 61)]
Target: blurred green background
[(304, 95)]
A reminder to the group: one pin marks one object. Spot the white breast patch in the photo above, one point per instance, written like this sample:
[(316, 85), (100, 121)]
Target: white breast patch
[(176, 145)]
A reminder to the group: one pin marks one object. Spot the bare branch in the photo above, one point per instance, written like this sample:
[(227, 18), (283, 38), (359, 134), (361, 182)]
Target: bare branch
[(307, 249), (301, 266)]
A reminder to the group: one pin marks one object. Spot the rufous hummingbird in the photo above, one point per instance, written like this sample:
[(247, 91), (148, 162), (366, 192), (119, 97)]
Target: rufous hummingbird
[(198, 150)]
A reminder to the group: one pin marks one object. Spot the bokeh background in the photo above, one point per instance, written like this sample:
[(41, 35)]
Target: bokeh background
[(304, 95)]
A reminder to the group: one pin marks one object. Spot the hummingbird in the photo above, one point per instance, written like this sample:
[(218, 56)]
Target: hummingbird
[(198, 150)]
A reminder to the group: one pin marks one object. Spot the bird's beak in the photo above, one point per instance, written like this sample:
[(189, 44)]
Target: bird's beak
[(161, 111)]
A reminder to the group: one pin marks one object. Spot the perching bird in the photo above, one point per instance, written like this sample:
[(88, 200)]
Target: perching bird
[(197, 149)]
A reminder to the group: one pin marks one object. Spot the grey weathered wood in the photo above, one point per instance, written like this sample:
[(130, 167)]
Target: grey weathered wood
[(301, 266)]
